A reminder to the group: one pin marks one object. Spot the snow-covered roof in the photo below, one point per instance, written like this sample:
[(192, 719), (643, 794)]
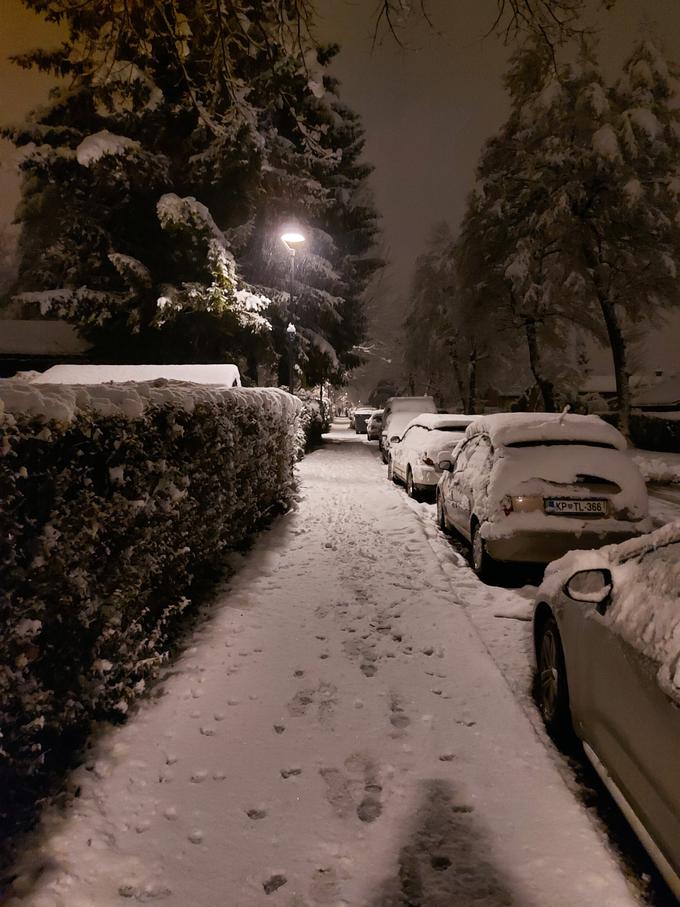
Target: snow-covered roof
[(435, 421), (599, 384), (39, 338), (666, 393), (533, 428), (218, 373)]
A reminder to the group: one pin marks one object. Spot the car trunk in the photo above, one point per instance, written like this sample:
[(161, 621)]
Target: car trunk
[(569, 479)]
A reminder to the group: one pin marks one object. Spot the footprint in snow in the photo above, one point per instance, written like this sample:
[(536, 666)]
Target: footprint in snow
[(398, 718), (273, 883), (256, 813), (324, 887)]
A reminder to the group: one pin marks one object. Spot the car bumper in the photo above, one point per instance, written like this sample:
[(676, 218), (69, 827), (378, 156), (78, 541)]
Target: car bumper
[(541, 547), (425, 476)]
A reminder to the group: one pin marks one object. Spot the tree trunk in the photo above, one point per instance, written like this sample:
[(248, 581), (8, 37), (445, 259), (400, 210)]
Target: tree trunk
[(457, 373), (545, 386), (471, 407), (619, 347)]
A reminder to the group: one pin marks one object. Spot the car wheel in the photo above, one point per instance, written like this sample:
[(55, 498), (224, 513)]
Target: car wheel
[(442, 522), (411, 489), (483, 565), (551, 688), (390, 471)]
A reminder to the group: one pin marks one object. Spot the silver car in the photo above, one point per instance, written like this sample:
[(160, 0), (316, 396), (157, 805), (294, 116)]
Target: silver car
[(607, 646)]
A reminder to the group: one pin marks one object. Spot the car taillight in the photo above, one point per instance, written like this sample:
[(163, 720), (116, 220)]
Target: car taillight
[(524, 503)]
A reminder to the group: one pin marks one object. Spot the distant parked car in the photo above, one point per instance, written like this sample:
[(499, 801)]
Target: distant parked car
[(607, 646), (397, 414), (374, 425), (427, 439), (531, 486), (361, 416)]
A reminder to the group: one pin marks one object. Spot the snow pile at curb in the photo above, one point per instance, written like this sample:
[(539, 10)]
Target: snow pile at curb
[(117, 503)]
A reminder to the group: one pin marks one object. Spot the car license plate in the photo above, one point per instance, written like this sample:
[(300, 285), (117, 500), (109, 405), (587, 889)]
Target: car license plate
[(578, 507)]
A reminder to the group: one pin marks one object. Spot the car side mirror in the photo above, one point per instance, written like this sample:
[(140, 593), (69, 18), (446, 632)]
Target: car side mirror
[(394, 439), (592, 586), (445, 465)]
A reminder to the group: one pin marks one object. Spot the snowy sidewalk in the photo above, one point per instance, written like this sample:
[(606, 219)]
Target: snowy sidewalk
[(338, 735)]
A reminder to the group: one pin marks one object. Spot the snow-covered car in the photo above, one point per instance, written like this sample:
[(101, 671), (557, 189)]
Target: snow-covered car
[(397, 413), (607, 645), (361, 416), (374, 425), (427, 439), (529, 487)]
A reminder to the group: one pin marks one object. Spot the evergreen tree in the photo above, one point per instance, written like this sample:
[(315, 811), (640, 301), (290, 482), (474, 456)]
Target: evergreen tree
[(512, 240), (445, 341), (156, 185)]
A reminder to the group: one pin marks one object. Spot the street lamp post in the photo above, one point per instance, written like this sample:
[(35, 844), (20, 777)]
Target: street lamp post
[(291, 336), (293, 240)]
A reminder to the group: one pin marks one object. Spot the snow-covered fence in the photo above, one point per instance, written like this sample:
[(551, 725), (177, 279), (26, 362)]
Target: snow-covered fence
[(116, 502)]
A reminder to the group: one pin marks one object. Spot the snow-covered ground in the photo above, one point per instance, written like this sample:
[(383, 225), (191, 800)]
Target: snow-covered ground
[(662, 473), (337, 734)]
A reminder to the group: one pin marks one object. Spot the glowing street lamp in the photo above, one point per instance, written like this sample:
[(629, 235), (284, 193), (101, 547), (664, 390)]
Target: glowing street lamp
[(293, 240)]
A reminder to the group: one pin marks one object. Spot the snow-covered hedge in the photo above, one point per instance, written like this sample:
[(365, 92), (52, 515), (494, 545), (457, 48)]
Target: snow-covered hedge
[(315, 420), (115, 504)]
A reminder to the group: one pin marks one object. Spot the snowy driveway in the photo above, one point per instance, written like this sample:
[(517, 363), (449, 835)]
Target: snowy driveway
[(338, 734)]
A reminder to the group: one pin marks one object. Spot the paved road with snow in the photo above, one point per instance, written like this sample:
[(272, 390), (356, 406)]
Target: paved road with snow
[(337, 734)]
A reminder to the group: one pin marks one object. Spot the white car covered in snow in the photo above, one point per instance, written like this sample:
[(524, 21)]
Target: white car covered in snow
[(607, 644), (427, 439), (532, 486), (397, 413)]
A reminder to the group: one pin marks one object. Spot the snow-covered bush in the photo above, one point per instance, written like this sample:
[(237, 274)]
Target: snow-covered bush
[(314, 421), (117, 503)]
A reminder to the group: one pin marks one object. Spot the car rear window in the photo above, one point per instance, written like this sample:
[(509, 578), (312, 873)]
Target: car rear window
[(561, 444)]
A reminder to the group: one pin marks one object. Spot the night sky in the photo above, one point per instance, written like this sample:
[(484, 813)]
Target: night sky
[(427, 109)]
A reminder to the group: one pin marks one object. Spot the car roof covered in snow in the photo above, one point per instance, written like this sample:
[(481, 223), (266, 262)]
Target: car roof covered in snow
[(218, 373), (364, 410), (504, 429), (435, 421), (410, 405)]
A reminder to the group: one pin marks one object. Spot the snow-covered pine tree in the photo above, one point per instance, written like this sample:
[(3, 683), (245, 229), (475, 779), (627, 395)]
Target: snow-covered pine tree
[(444, 342), (632, 245), (189, 129), (615, 196), (512, 238), (424, 355)]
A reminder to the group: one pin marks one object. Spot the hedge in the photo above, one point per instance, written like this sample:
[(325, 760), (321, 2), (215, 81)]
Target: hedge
[(315, 421), (655, 432), (115, 503)]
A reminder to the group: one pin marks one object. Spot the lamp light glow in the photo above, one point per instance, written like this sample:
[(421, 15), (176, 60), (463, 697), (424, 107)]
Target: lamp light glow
[(292, 238)]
